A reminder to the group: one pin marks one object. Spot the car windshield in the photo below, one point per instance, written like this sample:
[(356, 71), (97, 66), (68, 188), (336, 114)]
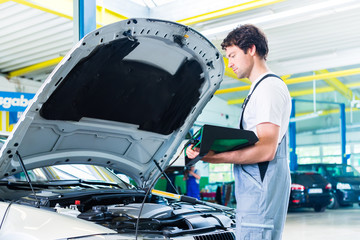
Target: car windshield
[(342, 171), (68, 172)]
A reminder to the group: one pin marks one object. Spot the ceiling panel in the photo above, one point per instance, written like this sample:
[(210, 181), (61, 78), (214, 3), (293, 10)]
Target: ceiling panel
[(30, 36)]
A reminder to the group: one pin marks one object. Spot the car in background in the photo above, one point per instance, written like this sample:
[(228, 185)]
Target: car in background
[(121, 101), (345, 181), (309, 190)]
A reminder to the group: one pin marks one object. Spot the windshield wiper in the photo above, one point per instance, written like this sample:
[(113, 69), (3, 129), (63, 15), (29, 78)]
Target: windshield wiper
[(55, 183), (81, 182)]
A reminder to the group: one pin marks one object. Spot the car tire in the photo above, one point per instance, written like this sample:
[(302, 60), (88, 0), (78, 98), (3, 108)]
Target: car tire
[(319, 208), (334, 204)]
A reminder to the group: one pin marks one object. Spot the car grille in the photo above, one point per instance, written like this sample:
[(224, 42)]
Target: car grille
[(216, 236)]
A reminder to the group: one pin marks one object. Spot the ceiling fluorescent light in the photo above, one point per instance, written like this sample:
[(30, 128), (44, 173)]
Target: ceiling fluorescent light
[(291, 16), (245, 6)]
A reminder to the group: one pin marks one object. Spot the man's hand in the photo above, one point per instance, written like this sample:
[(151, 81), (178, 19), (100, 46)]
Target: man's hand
[(192, 152), (263, 150)]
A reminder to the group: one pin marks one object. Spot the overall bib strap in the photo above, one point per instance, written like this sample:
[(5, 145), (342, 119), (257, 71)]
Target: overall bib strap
[(263, 165)]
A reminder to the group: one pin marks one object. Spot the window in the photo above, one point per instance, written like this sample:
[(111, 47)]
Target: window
[(321, 154), (332, 153), (308, 151), (305, 160), (331, 150), (308, 154), (356, 148), (221, 173)]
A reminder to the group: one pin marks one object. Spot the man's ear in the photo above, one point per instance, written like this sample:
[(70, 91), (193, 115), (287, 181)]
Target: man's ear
[(252, 50)]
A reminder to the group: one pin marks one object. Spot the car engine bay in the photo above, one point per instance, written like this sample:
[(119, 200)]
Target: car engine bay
[(119, 210)]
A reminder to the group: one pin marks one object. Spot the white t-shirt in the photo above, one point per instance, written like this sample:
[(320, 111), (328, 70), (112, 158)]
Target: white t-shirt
[(270, 102)]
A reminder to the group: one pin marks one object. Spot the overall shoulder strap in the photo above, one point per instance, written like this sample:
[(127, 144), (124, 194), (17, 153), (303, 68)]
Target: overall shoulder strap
[(248, 97), (263, 165)]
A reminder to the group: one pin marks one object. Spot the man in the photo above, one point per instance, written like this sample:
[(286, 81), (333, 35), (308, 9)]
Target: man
[(261, 171), (192, 177)]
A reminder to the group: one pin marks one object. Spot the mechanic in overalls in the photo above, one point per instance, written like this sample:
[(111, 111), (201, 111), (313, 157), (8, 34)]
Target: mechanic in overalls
[(192, 178), (262, 176)]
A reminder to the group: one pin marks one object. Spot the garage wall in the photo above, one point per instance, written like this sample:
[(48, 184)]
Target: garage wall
[(18, 85), (218, 112)]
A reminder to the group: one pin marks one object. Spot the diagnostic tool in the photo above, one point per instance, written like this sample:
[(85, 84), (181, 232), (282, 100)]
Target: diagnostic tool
[(219, 139)]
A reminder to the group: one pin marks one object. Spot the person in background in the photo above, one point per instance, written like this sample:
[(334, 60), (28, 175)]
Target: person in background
[(261, 171), (192, 177)]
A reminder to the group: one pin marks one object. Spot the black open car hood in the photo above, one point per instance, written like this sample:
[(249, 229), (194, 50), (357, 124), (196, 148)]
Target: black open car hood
[(123, 97)]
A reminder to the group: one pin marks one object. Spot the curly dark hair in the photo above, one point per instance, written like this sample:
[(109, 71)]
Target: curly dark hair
[(244, 37)]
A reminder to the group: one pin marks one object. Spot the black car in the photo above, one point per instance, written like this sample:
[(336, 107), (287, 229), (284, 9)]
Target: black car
[(309, 189), (345, 181)]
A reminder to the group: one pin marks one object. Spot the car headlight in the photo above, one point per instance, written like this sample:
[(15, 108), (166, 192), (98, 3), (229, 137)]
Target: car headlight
[(343, 186)]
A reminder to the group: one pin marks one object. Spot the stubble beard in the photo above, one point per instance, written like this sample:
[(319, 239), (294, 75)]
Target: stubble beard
[(242, 74), (246, 70)]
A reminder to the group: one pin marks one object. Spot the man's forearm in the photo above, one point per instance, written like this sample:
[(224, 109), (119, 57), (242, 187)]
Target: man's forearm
[(263, 150)]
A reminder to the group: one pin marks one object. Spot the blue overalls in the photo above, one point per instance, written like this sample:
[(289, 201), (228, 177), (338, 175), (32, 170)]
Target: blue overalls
[(262, 195), (192, 187)]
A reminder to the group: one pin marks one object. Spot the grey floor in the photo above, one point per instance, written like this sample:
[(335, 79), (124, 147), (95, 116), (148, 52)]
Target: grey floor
[(339, 224)]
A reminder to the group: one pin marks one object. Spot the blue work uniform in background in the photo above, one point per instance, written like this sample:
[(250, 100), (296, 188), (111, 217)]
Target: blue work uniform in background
[(192, 186)]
